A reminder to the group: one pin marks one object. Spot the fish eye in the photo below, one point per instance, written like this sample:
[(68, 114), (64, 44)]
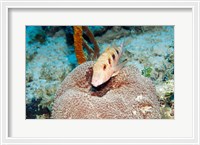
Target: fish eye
[(113, 56), (104, 67)]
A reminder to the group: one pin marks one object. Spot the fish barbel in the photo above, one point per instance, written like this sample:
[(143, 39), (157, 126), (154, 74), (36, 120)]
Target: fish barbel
[(107, 66)]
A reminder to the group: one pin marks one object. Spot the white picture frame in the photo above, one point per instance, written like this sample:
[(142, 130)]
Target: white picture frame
[(109, 132)]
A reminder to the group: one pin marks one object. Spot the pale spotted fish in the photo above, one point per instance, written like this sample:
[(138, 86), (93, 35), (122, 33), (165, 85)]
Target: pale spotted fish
[(107, 66)]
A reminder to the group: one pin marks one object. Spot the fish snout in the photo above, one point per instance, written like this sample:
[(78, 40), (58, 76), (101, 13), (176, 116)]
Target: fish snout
[(96, 82)]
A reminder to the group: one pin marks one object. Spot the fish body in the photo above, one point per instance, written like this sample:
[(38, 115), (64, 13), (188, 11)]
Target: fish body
[(107, 66)]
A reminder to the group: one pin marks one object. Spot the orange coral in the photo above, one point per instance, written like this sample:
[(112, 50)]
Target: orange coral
[(78, 40), (79, 43)]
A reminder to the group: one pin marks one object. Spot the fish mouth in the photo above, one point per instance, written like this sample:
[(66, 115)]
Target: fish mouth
[(94, 84)]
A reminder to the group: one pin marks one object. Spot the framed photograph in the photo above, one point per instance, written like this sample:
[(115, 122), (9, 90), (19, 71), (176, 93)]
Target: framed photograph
[(104, 72)]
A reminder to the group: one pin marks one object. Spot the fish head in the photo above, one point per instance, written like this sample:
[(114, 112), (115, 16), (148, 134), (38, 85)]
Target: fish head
[(97, 79), (100, 75)]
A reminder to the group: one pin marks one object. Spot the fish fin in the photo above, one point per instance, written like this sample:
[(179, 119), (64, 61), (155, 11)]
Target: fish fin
[(115, 73), (122, 45), (119, 67)]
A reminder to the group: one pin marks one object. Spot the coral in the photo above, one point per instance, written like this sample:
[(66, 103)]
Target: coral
[(165, 91), (29, 74), (35, 34), (92, 39), (147, 72), (50, 57), (125, 96), (44, 73), (98, 30), (51, 31), (78, 44), (33, 110), (53, 71), (153, 49), (41, 88), (88, 48), (167, 112), (116, 32), (31, 51), (52, 64)]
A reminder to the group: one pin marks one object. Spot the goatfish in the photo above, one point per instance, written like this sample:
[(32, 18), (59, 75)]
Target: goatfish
[(107, 66)]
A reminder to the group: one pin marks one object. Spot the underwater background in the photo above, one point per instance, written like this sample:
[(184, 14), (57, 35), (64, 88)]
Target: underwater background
[(51, 56)]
